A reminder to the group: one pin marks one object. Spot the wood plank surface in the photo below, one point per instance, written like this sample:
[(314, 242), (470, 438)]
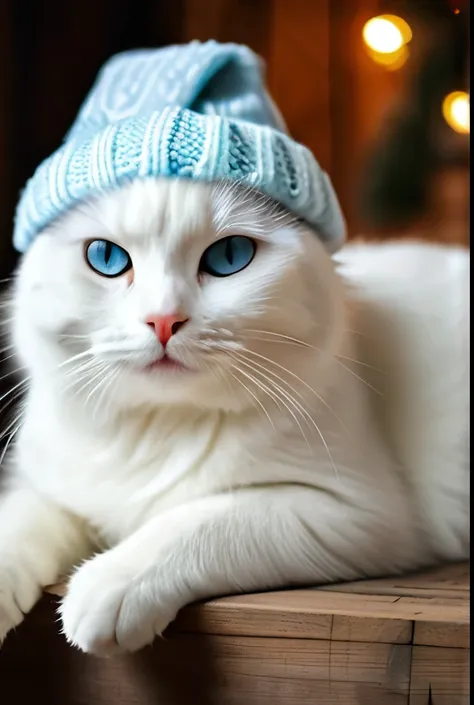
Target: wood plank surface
[(388, 631), (450, 581), (443, 672), (452, 635), (195, 669), (309, 602), (291, 647), (439, 596)]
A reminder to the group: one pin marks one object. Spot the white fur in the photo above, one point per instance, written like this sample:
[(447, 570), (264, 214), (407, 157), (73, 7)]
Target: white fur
[(275, 461)]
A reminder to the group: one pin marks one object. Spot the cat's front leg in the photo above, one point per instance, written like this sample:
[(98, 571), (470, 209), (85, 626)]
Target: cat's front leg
[(244, 541), (39, 542)]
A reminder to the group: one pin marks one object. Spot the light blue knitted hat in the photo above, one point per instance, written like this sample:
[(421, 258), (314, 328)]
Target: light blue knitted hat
[(198, 111)]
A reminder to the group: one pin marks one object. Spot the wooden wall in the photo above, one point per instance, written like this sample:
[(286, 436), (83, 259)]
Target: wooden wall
[(331, 95)]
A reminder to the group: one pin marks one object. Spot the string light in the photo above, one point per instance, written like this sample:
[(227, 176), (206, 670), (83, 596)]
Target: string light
[(455, 111), (385, 38)]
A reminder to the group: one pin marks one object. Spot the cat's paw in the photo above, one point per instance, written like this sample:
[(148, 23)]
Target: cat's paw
[(18, 594), (107, 611)]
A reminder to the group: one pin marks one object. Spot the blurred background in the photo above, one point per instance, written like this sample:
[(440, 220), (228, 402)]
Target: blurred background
[(378, 89)]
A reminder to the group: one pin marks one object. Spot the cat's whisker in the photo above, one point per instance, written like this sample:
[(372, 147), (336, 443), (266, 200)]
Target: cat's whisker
[(115, 383), (241, 384), (361, 379), (5, 449), (100, 373), (108, 384), (9, 442), (71, 336), (12, 372), (254, 396), (87, 366), (8, 357), (280, 336), (82, 374), (78, 383), (12, 423), (289, 340), (72, 359), (355, 332), (264, 387), (101, 387), (304, 413), (17, 386), (78, 379), (11, 401), (359, 362), (109, 381), (217, 373), (302, 410), (281, 342), (255, 365), (301, 381), (277, 398), (89, 375), (309, 418)]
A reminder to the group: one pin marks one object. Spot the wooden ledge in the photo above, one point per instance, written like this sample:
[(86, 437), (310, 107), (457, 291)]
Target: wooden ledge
[(387, 641), (381, 608)]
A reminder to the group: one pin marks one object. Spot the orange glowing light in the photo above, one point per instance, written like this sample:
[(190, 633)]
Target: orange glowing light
[(393, 61), (456, 110), (386, 33), (385, 38)]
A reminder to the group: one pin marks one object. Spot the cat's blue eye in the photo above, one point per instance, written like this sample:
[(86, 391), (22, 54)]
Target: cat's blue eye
[(107, 258), (228, 256)]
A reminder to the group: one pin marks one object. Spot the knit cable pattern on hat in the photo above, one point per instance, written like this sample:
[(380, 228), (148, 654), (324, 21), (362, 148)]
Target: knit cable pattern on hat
[(198, 111)]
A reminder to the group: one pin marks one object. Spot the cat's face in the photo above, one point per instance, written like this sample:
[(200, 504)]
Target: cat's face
[(170, 291)]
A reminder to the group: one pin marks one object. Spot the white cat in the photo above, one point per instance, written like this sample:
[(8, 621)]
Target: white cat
[(222, 408)]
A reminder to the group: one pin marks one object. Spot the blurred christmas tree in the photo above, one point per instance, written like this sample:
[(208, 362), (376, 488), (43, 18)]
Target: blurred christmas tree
[(395, 182)]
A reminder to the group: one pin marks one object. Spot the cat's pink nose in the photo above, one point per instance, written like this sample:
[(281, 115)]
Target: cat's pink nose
[(165, 326)]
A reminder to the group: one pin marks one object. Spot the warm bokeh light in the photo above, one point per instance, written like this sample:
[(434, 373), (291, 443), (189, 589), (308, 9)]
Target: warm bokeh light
[(382, 36), (393, 61), (456, 111), (386, 34)]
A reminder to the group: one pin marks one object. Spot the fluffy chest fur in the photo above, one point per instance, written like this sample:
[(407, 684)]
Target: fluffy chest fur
[(147, 463)]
